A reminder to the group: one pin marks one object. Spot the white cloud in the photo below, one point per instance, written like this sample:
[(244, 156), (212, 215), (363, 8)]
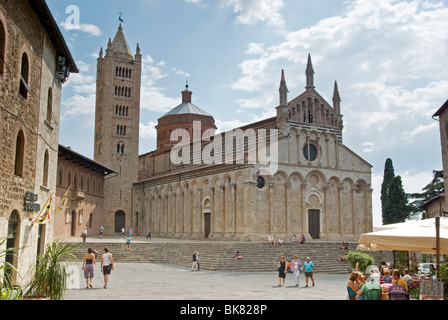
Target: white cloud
[(90, 29), (78, 105), (148, 131), (255, 11), (367, 146)]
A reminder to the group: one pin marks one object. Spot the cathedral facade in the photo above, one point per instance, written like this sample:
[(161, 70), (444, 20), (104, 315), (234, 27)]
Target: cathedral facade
[(202, 185)]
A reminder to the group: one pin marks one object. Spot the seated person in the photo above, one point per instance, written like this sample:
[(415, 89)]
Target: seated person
[(280, 242), (294, 239), (271, 240), (400, 281), (366, 287), (238, 256), (397, 291), (302, 239), (406, 276), (387, 278), (374, 276)]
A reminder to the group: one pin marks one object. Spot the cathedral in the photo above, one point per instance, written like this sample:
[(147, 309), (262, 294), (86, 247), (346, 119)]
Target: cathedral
[(198, 184)]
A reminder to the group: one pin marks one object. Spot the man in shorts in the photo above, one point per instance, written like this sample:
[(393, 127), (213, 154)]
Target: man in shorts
[(107, 264), (309, 270)]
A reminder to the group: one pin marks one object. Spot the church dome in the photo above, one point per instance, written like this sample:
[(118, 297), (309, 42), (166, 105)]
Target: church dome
[(185, 117), (186, 107)]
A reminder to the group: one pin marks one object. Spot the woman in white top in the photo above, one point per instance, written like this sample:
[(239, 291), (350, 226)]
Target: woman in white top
[(106, 265), (295, 266)]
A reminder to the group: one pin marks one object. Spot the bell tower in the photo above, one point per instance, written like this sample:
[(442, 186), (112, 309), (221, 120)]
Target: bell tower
[(117, 118)]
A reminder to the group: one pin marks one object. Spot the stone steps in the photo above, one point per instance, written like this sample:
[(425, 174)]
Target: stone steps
[(257, 256)]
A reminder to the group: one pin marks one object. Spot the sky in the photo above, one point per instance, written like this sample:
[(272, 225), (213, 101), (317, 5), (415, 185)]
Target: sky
[(389, 58)]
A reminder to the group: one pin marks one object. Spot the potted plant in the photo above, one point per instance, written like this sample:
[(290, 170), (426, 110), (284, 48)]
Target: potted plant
[(50, 274), (7, 290)]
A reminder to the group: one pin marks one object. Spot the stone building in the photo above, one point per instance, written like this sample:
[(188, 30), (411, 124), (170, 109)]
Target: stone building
[(34, 63), (434, 207), (320, 187), (80, 192), (442, 114)]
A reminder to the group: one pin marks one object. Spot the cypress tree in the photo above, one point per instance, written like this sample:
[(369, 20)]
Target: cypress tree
[(388, 176), (394, 200), (396, 207)]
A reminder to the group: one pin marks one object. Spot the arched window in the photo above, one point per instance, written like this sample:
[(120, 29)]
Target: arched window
[(24, 76), (20, 152), (75, 180), (2, 48), (69, 178), (60, 175), (49, 105), (46, 163)]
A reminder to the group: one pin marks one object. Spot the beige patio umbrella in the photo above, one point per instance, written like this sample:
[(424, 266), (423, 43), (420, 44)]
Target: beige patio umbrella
[(418, 236)]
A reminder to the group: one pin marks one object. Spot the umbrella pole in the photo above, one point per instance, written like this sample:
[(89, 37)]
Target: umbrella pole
[(437, 246)]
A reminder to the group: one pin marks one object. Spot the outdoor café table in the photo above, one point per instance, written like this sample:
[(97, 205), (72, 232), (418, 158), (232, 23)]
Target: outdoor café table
[(385, 287)]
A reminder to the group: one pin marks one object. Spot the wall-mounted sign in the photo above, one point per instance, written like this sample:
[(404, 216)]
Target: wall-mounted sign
[(30, 202)]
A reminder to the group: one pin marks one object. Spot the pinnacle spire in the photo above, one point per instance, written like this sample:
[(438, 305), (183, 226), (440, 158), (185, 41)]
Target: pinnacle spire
[(336, 98), (309, 74), (283, 90), (120, 45)]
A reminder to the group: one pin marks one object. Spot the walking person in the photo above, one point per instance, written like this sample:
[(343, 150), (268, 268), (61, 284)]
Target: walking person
[(87, 266), (101, 231), (122, 232), (309, 270), (148, 234), (107, 264), (195, 261), (84, 234), (296, 264), (281, 271), (128, 243)]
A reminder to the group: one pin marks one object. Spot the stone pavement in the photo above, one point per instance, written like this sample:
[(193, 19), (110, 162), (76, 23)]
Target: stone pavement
[(145, 281)]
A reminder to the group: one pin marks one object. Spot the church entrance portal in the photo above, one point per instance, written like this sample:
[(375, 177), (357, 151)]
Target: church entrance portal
[(207, 224), (120, 220), (313, 223)]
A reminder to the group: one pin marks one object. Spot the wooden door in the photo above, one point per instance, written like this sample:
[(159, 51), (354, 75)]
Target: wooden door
[(313, 223)]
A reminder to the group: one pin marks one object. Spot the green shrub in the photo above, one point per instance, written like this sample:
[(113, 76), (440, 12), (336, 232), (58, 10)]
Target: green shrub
[(363, 259)]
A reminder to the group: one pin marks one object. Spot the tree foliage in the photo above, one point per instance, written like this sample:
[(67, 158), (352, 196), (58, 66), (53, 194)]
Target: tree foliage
[(433, 189), (394, 200)]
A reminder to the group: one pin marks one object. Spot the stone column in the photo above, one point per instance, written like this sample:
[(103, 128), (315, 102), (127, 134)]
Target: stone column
[(287, 210)]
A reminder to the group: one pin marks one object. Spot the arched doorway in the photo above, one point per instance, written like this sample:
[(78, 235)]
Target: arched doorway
[(207, 217), (314, 223), (12, 245), (120, 220)]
